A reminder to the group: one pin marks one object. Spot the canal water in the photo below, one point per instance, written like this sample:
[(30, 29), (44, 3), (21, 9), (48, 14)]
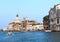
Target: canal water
[(30, 37)]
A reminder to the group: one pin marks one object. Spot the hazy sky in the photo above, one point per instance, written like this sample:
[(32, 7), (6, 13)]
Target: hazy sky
[(32, 9)]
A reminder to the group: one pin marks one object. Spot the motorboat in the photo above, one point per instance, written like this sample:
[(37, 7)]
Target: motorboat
[(9, 33), (47, 30)]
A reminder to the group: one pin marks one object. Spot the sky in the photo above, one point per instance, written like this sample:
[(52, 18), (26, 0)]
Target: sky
[(32, 9)]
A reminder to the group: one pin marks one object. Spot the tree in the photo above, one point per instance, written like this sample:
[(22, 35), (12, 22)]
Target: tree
[(45, 22), (46, 18)]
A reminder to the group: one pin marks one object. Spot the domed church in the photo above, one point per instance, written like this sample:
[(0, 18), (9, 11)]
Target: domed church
[(18, 25)]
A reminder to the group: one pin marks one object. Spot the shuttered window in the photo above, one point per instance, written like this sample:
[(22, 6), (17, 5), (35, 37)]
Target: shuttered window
[(57, 21)]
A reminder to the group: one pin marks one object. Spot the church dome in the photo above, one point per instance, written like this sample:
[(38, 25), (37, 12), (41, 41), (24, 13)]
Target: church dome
[(17, 20)]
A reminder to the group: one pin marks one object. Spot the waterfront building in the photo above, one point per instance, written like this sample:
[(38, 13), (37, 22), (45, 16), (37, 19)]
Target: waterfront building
[(4, 29), (45, 25), (54, 18), (16, 24), (21, 25), (35, 27)]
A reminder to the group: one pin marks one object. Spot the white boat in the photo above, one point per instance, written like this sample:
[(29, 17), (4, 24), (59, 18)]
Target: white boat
[(47, 30), (9, 33)]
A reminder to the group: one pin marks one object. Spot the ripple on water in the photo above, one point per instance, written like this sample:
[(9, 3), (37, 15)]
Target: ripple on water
[(30, 37)]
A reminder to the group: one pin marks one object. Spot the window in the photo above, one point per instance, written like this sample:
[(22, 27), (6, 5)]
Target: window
[(52, 20), (57, 21)]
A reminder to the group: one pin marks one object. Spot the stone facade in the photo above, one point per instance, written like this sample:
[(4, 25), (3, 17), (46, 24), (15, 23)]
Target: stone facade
[(54, 18)]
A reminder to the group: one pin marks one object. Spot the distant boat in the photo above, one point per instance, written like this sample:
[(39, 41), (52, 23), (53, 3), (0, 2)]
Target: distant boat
[(9, 33), (47, 30)]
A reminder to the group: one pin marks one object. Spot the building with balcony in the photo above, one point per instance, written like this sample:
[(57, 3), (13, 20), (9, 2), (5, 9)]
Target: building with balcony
[(54, 18)]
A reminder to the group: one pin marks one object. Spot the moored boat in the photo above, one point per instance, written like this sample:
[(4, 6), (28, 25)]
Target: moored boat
[(47, 30), (9, 33)]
